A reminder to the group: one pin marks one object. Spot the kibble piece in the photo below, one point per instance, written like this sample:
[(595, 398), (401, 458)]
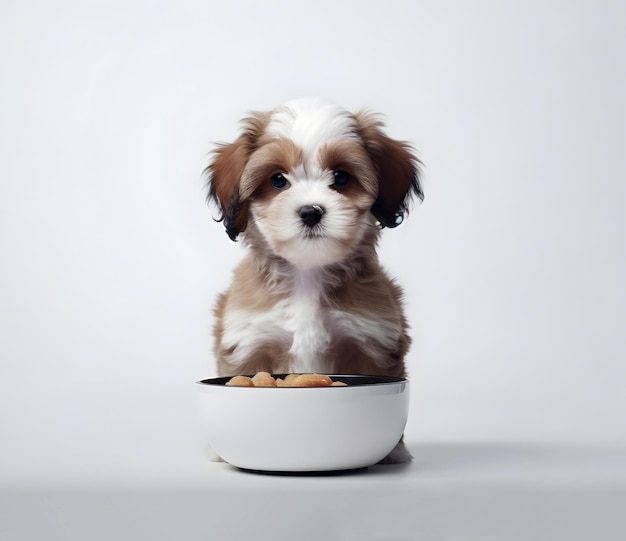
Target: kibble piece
[(263, 379), (312, 380), (240, 381), (280, 382), (338, 384), (290, 379)]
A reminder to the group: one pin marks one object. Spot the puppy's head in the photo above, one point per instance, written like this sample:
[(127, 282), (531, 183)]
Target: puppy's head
[(310, 179)]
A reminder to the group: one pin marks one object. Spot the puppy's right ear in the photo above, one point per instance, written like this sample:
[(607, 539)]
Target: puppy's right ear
[(225, 171)]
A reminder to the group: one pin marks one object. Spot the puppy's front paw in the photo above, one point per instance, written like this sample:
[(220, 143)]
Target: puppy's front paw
[(398, 455), (213, 456)]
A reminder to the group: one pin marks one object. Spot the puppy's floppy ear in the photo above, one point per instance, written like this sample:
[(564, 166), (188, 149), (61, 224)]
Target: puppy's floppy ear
[(225, 171), (397, 169)]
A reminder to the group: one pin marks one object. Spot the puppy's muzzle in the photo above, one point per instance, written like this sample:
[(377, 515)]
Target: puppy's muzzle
[(311, 215)]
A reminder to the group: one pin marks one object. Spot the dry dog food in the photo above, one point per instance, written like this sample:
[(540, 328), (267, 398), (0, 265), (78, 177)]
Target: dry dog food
[(265, 379)]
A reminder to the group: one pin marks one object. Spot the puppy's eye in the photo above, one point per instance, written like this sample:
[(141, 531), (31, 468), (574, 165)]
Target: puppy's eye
[(341, 177), (279, 181)]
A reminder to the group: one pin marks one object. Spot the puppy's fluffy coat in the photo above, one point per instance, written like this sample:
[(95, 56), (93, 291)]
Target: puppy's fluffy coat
[(308, 187)]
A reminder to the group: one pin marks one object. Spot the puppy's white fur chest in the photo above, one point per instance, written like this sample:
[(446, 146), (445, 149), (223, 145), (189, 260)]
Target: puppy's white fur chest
[(297, 321), (303, 317)]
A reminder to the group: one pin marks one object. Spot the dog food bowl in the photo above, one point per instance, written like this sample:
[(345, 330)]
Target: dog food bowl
[(308, 429)]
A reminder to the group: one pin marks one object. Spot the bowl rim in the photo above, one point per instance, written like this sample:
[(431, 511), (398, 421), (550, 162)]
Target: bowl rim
[(353, 380)]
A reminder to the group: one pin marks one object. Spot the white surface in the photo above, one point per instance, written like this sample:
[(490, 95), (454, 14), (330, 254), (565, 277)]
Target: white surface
[(513, 267), (469, 491), (314, 429)]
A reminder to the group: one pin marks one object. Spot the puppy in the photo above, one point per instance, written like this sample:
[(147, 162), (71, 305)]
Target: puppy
[(308, 187)]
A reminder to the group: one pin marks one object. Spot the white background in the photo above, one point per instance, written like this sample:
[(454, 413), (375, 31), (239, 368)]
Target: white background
[(513, 266)]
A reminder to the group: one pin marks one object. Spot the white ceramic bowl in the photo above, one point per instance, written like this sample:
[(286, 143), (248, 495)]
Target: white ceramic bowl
[(304, 429)]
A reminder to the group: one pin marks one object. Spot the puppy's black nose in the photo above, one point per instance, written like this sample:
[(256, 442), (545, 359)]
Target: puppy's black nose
[(311, 214)]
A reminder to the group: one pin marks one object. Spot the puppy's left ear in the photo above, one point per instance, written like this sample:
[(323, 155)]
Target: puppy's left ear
[(397, 169)]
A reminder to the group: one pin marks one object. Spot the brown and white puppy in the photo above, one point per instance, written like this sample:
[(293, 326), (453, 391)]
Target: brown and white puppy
[(308, 187)]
